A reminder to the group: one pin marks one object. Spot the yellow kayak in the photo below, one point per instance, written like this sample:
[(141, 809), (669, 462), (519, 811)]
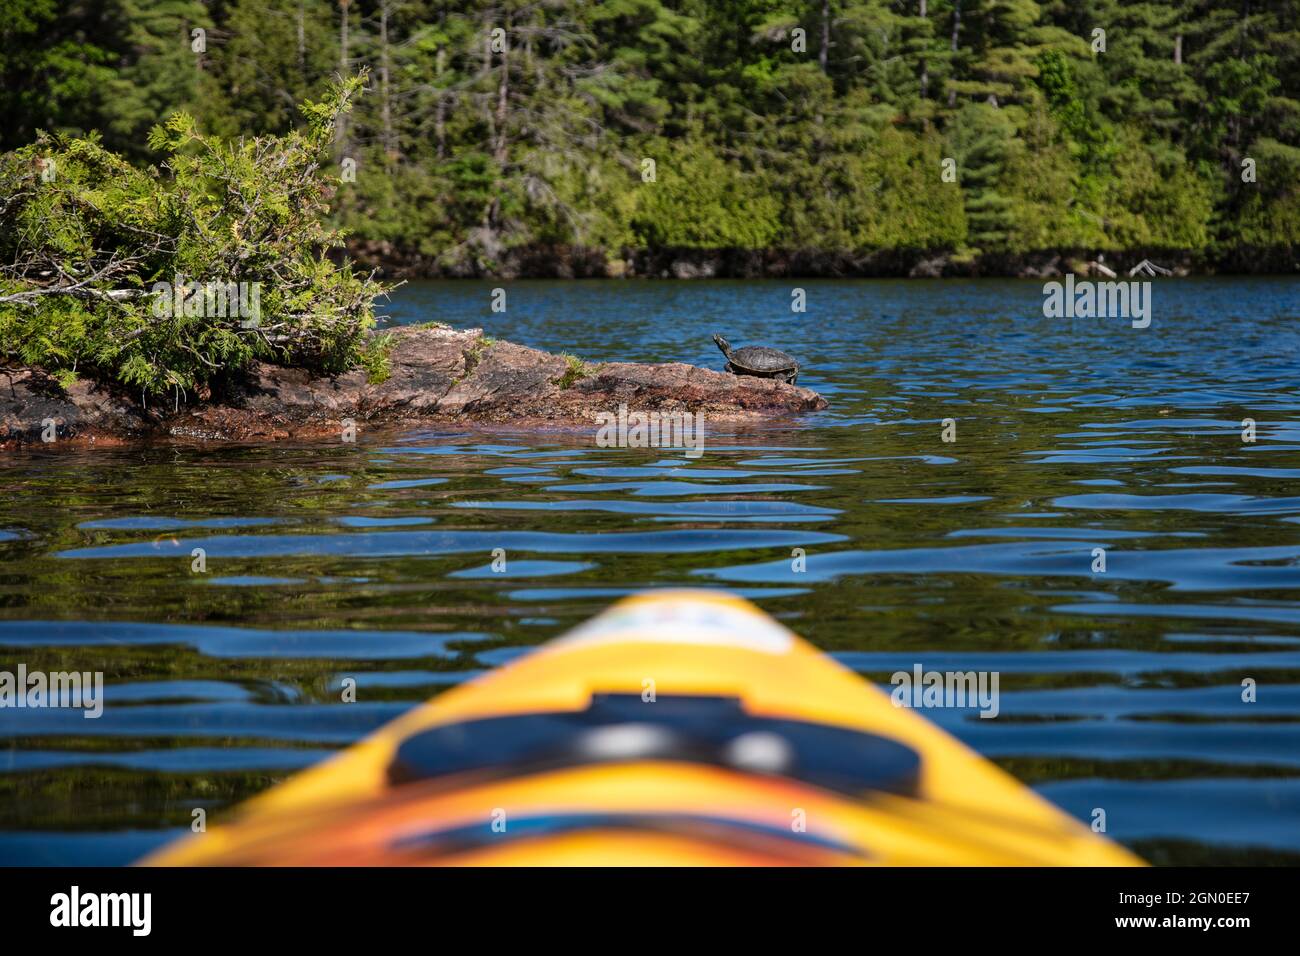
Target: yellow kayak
[(676, 728)]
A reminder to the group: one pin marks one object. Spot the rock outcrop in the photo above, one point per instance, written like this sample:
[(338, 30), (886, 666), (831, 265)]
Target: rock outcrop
[(439, 376)]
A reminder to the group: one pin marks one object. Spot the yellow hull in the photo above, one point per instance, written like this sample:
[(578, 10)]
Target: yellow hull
[(706, 734)]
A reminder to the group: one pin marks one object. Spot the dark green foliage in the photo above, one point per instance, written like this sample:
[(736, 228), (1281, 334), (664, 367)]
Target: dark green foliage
[(815, 125)]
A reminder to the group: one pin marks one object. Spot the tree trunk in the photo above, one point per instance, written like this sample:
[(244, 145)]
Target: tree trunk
[(302, 40), (956, 29), (440, 114), (343, 71), (385, 101), (925, 70), (500, 142), (824, 54), (501, 148)]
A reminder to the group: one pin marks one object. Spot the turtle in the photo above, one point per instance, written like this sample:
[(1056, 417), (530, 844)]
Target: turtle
[(759, 360)]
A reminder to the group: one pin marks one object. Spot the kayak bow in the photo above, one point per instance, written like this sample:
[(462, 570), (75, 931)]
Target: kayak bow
[(676, 728)]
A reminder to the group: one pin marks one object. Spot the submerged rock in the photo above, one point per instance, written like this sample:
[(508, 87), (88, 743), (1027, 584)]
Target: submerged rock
[(439, 376)]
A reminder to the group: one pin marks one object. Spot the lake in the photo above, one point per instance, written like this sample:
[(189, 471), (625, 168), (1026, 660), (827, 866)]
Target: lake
[(1121, 689)]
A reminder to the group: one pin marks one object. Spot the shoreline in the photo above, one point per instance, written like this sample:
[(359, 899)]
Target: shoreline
[(576, 262)]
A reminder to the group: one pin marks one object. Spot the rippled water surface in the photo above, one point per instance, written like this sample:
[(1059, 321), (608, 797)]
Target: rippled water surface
[(1120, 690)]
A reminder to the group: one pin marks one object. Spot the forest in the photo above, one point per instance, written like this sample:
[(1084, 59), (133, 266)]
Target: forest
[(559, 137)]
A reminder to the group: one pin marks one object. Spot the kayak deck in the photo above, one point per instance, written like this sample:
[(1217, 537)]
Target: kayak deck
[(677, 728)]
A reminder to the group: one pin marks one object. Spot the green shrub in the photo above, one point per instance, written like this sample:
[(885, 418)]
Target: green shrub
[(93, 253), (699, 201)]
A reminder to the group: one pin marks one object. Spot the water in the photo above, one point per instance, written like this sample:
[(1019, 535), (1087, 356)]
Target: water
[(1120, 690)]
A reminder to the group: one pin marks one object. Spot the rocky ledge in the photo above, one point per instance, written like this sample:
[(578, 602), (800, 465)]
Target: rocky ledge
[(439, 376)]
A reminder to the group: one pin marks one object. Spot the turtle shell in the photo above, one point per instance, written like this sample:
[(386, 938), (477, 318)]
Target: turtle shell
[(762, 360)]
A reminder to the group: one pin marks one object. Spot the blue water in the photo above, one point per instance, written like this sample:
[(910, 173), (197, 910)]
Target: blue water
[(1120, 689)]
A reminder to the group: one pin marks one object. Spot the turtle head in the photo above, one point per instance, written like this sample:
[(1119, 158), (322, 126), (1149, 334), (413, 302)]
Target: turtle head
[(722, 344)]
